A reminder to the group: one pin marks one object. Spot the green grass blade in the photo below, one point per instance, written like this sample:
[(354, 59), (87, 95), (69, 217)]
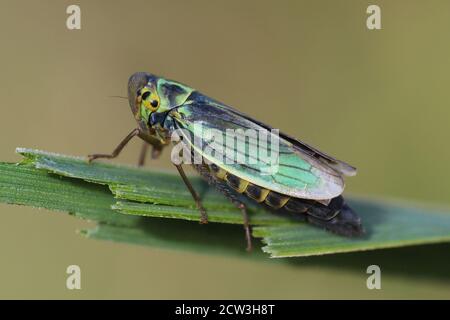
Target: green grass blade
[(180, 235), (388, 225), (191, 214), (138, 201), (25, 185)]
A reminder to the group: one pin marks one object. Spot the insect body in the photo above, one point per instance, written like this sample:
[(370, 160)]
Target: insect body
[(306, 182)]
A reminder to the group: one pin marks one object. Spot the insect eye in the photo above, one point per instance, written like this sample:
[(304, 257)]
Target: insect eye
[(145, 95)]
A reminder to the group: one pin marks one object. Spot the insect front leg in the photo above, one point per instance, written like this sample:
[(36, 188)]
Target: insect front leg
[(143, 153), (198, 202), (118, 149), (155, 153)]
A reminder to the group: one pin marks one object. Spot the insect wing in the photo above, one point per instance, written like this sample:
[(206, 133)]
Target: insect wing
[(338, 165), (284, 168)]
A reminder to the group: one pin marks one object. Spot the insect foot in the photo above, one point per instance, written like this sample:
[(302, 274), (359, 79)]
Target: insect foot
[(203, 214), (90, 158)]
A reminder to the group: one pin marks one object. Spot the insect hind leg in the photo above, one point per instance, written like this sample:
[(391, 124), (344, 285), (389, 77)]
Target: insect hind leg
[(248, 234), (231, 195)]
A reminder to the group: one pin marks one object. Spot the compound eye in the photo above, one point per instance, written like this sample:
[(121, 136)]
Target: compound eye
[(154, 104), (145, 95)]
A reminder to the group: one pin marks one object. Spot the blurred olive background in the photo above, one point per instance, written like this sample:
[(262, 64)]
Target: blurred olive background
[(377, 99)]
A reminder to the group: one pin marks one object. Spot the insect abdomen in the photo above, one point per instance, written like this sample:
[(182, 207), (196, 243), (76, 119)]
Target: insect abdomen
[(272, 199), (336, 216)]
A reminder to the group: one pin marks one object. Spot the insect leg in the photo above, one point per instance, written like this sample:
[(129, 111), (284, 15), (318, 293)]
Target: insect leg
[(198, 202), (248, 235), (232, 196), (118, 149), (156, 151), (143, 153)]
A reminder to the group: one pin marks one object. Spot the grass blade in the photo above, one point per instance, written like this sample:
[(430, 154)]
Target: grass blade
[(132, 205)]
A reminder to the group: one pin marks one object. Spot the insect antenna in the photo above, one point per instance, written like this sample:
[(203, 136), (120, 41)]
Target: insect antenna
[(126, 98)]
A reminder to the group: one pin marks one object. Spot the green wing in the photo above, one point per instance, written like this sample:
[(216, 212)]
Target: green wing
[(292, 170)]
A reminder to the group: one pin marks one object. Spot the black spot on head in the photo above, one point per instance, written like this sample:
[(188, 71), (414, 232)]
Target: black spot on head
[(154, 103), (145, 95)]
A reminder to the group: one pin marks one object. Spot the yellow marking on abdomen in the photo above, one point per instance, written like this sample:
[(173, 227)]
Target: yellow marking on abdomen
[(256, 192), (276, 200)]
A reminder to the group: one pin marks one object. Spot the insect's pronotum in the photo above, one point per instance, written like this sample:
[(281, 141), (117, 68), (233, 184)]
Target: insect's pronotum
[(307, 182)]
